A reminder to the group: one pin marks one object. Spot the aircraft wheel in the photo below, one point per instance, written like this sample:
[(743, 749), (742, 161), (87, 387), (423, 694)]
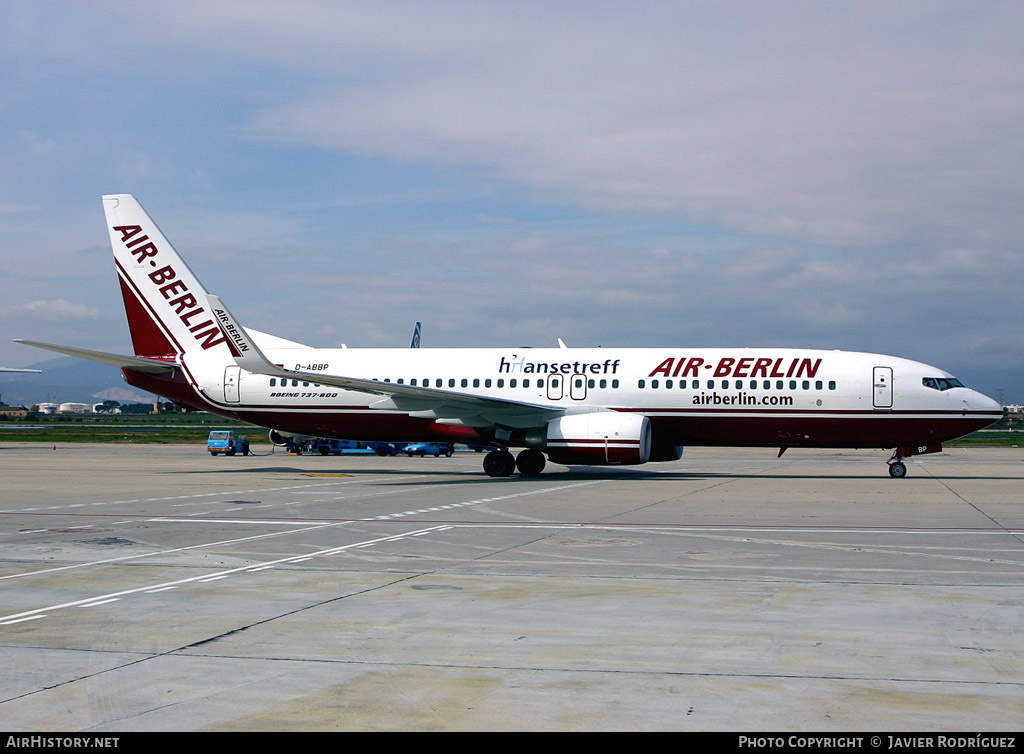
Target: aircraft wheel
[(530, 462), (897, 469), (499, 463)]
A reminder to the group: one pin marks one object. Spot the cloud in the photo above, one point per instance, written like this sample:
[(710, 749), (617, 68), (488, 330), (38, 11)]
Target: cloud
[(744, 173), (55, 310), (862, 124)]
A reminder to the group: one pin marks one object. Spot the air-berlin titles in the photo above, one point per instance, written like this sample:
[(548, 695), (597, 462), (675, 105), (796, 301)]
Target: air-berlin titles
[(728, 366), (185, 305)]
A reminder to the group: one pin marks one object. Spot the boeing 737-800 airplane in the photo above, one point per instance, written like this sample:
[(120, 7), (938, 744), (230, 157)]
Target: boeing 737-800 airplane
[(592, 406)]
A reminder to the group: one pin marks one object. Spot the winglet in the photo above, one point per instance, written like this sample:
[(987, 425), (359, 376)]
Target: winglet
[(247, 354)]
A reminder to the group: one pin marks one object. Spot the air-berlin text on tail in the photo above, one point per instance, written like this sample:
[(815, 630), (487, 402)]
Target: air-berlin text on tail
[(186, 306), (727, 366)]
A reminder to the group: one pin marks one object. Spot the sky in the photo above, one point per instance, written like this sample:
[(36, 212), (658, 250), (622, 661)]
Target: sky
[(689, 174)]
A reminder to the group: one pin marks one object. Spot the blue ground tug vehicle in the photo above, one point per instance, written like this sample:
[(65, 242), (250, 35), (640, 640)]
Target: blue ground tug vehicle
[(227, 442)]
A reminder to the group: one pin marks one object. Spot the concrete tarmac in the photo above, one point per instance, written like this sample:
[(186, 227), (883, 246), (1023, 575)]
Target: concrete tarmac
[(156, 588)]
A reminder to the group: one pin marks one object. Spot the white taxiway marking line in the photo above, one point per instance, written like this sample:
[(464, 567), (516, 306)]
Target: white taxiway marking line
[(226, 495), (107, 561), (706, 532), (91, 601), (7, 619), (100, 602)]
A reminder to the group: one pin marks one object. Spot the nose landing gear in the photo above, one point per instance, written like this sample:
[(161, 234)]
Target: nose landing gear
[(897, 469)]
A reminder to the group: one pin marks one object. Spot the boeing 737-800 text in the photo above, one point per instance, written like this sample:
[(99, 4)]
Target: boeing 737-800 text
[(591, 406)]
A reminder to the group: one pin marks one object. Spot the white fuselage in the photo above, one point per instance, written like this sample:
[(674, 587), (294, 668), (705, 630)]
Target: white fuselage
[(761, 396)]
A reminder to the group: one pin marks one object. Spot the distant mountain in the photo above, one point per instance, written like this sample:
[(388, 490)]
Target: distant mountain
[(67, 379)]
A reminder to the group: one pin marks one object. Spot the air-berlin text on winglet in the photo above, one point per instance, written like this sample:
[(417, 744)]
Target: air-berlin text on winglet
[(728, 366), (231, 330), (185, 304)]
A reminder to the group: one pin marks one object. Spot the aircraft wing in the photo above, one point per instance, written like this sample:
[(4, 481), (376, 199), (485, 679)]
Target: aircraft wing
[(137, 363), (444, 406)]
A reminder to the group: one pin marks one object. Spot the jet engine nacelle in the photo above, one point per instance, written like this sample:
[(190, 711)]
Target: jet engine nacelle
[(277, 437), (665, 452), (597, 439)]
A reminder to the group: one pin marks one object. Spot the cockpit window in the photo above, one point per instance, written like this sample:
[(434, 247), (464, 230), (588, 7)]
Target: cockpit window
[(941, 383)]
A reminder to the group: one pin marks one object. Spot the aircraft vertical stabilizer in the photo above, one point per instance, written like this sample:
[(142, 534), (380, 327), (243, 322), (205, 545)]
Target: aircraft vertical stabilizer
[(165, 302)]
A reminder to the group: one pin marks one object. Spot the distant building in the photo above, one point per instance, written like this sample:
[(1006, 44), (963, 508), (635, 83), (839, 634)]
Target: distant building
[(47, 408), (74, 408)]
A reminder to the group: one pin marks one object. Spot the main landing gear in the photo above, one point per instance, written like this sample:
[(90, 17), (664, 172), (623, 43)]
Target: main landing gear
[(530, 462)]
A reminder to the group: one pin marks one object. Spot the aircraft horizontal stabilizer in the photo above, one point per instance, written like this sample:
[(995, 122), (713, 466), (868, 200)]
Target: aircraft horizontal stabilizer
[(139, 364)]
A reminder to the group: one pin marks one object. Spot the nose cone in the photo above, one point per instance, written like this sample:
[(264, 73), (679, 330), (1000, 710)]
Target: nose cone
[(981, 402)]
